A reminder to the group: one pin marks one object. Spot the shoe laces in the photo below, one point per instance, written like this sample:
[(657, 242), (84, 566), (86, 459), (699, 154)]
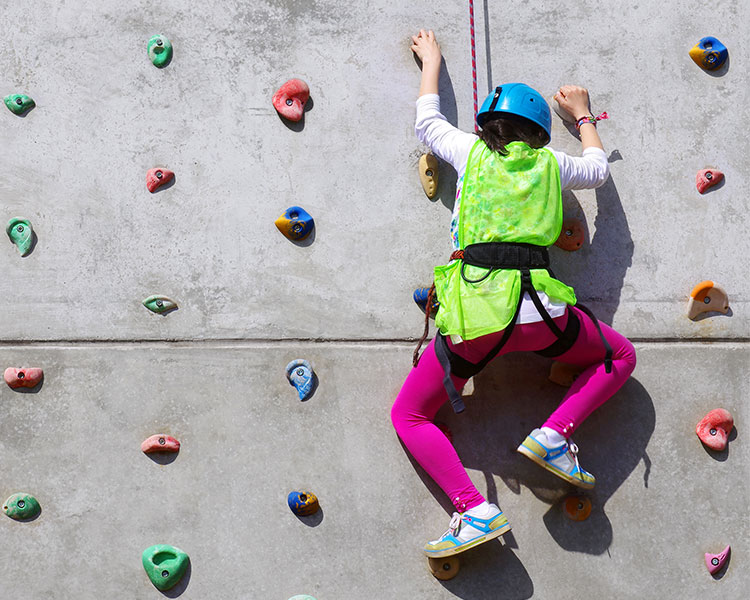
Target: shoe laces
[(573, 449), (454, 527)]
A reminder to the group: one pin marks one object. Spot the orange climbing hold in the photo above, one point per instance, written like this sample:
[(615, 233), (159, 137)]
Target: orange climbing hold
[(707, 297), (577, 508), (708, 178), (563, 374), (713, 429), (572, 235)]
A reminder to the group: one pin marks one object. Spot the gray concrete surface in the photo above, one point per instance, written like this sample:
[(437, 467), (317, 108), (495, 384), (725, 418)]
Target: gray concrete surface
[(212, 372)]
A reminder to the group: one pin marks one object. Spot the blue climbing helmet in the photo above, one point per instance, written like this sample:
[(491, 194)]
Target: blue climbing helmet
[(516, 99)]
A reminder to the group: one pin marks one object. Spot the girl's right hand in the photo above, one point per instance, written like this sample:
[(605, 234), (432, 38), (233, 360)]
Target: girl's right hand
[(574, 100), (425, 46)]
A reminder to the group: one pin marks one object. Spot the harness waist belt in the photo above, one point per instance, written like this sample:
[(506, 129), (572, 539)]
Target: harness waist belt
[(503, 255)]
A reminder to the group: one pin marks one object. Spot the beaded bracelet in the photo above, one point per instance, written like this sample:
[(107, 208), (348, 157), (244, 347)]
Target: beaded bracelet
[(591, 119)]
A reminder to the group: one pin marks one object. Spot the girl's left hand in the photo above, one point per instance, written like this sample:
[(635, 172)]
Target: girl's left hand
[(426, 48)]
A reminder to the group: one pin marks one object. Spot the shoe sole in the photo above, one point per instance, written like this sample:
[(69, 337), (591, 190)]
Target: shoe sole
[(561, 474), (468, 545)]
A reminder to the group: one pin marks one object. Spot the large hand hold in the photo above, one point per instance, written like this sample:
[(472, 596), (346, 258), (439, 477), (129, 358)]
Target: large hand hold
[(165, 565), (707, 297), (23, 378), (714, 562), (572, 235), (713, 429), (19, 103), (300, 374), (290, 99), (21, 234), (160, 50), (428, 174), (296, 223), (157, 177), (707, 178), (160, 443), (709, 53), (22, 507), (159, 304)]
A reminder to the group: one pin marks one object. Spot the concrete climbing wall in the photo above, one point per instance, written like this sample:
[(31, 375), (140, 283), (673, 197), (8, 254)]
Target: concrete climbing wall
[(212, 372)]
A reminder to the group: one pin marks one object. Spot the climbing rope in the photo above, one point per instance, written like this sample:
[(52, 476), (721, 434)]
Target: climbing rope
[(473, 61)]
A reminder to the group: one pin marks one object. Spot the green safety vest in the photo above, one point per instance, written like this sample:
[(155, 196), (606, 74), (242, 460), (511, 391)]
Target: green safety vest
[(514, 198)]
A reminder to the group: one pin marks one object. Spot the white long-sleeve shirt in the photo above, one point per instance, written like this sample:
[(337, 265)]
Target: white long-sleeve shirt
[(453, 145)]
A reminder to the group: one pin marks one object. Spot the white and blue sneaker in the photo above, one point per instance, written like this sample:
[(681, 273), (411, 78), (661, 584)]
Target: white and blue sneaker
[(561, 458), (476, 526)]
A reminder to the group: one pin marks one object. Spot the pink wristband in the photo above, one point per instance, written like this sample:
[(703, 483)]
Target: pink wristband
[(591, 119)]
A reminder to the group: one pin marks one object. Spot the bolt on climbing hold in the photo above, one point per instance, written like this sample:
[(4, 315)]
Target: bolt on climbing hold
[(165, 565), (19, 103), (577, 508), (428, 174), (571, 236), (20, 232), (290, 99), (713, 429), (157, 177), (22, 507), (707, 297), (300, 374), (707, 178), (23, 378), (296, 224), (709, 53), (714, 562), (160, 50), (160, 443), (420, 298), (303, 504), (159, 304), (563, 374)]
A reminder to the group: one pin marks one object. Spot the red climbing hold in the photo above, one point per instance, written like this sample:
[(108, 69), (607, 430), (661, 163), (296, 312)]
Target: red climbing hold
[(26, 378), (571, 236), (707, 178), (714, 428), (157, 177), (160, 443), (290, 99), (714, 562)]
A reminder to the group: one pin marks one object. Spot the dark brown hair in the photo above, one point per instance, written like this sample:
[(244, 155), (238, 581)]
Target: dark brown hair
[(503, 130)]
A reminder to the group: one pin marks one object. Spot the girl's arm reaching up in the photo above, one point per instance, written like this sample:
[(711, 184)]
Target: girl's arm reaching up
[(426, 48), (575, 101)]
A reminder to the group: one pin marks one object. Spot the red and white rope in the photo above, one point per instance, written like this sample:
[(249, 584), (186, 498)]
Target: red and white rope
[(473, 61)]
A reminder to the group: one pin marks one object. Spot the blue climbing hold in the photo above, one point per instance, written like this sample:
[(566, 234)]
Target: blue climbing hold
[(709, 53), (296, 223), (303, 504), (300, 374), (420, 297)]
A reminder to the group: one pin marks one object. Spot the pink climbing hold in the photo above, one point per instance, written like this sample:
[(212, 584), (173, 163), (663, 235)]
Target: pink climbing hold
[(714, 562), (22, 378), (290, 99), (707, 178), (713, 429), (160, 443), (157, 177)]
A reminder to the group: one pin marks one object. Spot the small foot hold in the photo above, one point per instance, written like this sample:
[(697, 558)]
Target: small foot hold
[(290, 99), (20, 232), (165, 565), (303, 504), (445, 568), (296, 223), (22, 507), (572, 235), (714, 562), (19, 103), (428, 174), (709, 53), (713, 429), (707, 178), (160, 443), (160, 50), (157, 177), (159, 304), (23, 378), (300, 374), (564, 374), (577, 508), (707, 297)]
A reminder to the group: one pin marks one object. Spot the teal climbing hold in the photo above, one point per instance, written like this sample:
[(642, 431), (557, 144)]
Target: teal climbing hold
[(165, 565), (160, 50), (21, 234), (159, 304), (22, 507), (19, 103)]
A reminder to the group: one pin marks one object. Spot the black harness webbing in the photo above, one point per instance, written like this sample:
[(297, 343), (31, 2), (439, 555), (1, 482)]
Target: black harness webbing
[(524, 257)]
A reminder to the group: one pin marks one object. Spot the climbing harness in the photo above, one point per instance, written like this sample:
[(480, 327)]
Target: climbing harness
[(524, 258)]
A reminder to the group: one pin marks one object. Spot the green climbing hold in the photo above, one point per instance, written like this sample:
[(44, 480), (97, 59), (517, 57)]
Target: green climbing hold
[(159, 304), (22, 507), (19, 103), (160, 50), (21, 234), (165, 565)]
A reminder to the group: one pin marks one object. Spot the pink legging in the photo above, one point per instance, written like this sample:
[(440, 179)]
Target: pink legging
[(423, 394)]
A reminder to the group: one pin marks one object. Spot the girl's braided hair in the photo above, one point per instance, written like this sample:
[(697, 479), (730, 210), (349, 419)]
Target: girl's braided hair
[(500, 131)]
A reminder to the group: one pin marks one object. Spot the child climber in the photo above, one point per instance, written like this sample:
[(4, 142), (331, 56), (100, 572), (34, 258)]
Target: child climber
[(497, 294)]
